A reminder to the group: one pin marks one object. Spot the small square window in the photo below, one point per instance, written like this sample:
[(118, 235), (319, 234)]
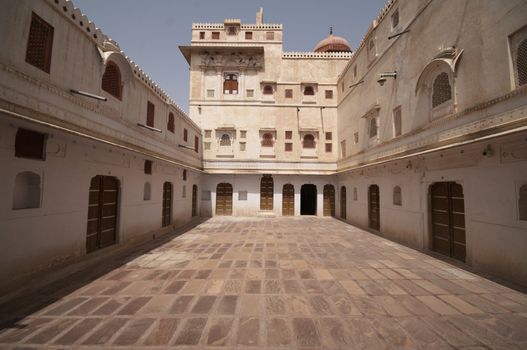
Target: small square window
[(185, 135), (210, 93), (206, 145), (242, 146), (243, 134), (329, 136), (248, 35), (30, 144), (242, 195), (288, 147), (202, 35), (329, 147), (148, 167), (288, 135), (288, 93), (208, 134), (356, 137), (215, 35), (395, 18), (250, 93), (269, 35), (232, 30), (329, 94)]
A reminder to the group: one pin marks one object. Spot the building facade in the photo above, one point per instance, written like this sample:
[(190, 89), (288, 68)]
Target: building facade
[(419, 135)]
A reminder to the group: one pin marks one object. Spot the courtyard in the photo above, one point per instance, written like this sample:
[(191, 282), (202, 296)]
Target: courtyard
[(284, 283)]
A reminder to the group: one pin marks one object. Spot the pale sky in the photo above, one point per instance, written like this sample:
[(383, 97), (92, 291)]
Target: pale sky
[(149, 31)]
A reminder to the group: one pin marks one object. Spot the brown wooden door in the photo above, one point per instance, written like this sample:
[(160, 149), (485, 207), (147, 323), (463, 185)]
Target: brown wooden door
[(329, 200), (224, 199), (167, 204), (288, 200), (103, 207), (266, 193), (448, 219), (374, 207), (343, 202), (194, 200)]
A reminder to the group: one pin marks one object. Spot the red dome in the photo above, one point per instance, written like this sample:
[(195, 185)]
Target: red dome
[(333, 44)]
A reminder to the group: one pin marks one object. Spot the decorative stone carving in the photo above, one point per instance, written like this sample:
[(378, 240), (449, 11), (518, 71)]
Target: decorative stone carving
[(231, 59)]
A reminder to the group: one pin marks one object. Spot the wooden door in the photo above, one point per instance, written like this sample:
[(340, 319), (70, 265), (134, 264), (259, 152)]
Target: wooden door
[(374, 207), (194, 200), (448, 219), (343, 202), (266, 193), (167, 204), (288, 200), (224, 199), (329, 200), (103, 207)]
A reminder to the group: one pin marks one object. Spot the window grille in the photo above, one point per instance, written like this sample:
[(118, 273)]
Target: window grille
[(267, 140), (148, 167), (225, 140), (521, 63), (39, 44), (309, 141), (442, 91), (288, 147), (288, 93), (111, 80), (230, 84), (150, 111), (329, 94)]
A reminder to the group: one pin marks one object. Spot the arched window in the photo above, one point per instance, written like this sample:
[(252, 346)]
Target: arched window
[(171, 126), (441, 90), (111, 80), (522, 203), (521, 63), (225, 140), (397, 196), (147, 191), (309, 141), (26, 193), (230, 84), (268, 90), (267, 140), (373, 127), (309, 91)]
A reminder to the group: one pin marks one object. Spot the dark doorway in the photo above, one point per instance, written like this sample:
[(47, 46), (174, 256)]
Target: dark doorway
[(308, 200), (343, 202), (448, 219), (374, 207), (329, 200), (167, 204), (102, 212), (194, 200), (224, 199)]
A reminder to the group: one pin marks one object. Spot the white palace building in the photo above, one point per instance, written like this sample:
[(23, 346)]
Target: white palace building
[(419, 134)]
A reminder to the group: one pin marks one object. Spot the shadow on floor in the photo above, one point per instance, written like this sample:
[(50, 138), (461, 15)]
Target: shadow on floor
[(29, 302)]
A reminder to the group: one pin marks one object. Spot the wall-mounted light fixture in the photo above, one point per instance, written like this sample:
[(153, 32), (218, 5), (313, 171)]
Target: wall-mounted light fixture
[(383, 76), (357, 83), (87, 94), (397, 34)]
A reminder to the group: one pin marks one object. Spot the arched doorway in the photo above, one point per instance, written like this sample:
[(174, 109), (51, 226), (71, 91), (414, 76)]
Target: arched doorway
[(288, 200), (343, 202), (194, 200), (103, 207), (329, 200), (167, 204), (373, 208), (448, 219), (266, 193), (308, 199), (224, 199)]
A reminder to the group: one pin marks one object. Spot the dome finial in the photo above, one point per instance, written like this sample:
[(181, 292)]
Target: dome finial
[(331, 30)]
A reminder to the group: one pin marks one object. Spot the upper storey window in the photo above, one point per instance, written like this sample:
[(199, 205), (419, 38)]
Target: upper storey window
[(202, 35), (30, 144), (232, 30), (39, 44), (309, 141), (171, 123), (225, 140), (230, 84), (441, 90), (268, 90), (111, 80), (248, 35), (521, 63), (395, 18), (267, 140), (216, 35), (309, 91), (150, 112), (269, 35)]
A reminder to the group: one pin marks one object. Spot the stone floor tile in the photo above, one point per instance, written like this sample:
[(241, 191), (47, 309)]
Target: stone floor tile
[(437, 305), (460, 304), (227, 305), (191, 331), (203, 305), (278, 332), (249, 331), (133, 331), (220, 331), (180, 305), (105, 332), (334, 334), (78, 331), (133, 305), (306, 333), (162, 332)]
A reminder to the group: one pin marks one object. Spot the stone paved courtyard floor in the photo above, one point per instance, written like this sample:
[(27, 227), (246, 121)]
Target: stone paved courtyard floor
[(285, 283)]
